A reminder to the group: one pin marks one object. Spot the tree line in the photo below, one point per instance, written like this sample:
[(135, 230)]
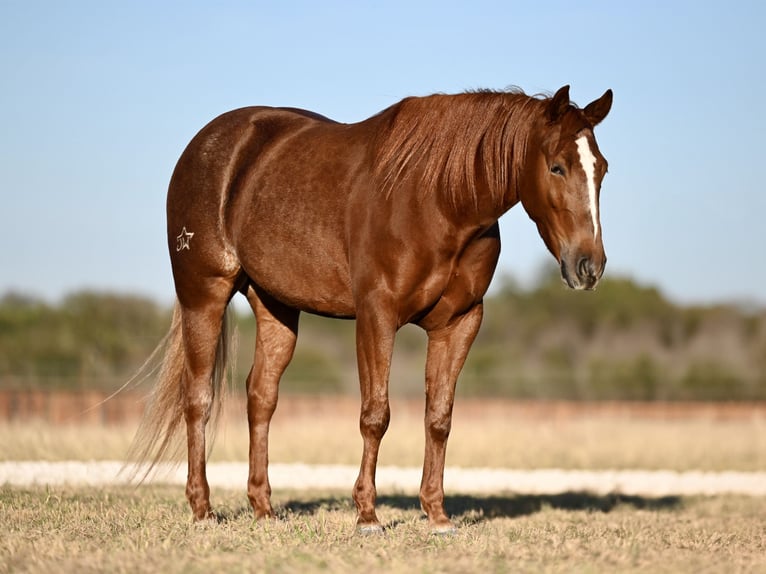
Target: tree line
[(623, 341)]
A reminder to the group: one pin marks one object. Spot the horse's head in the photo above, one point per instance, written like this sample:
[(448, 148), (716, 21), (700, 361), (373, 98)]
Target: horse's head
[(561, 192)]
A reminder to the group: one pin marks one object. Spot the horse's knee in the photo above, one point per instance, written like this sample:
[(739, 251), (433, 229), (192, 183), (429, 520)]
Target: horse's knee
[(374, 420), (439, 425)]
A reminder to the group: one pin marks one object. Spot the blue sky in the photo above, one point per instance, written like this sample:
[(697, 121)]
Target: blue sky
[(98, 99)]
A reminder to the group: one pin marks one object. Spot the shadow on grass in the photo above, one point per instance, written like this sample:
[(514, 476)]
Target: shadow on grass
[(474, 509)]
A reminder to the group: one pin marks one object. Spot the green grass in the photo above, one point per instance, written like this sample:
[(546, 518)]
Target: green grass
[(149, 530)]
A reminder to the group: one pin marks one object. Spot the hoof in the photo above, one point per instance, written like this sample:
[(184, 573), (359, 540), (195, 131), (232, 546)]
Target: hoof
[(204, 517), (443, 530), (264, 516), (209, 521), (264, 520), (369, 529)]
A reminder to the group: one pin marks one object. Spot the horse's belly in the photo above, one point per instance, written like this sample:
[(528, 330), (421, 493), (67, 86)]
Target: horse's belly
[(303, 279)]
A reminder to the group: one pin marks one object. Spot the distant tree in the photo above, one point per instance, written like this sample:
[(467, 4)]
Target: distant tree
[(623, 341)]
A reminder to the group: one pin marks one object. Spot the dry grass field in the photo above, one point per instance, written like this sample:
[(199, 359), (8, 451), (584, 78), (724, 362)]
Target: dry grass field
[(148, 529), (495, 434)]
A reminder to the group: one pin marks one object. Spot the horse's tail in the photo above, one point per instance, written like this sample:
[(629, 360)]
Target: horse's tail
[(158, 438)]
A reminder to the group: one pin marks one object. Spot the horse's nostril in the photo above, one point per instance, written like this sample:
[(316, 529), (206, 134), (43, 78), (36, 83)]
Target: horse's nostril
[(584, 268)]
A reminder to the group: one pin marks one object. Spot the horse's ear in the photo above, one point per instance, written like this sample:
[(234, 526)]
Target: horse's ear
[(558, 104), (597, 110)]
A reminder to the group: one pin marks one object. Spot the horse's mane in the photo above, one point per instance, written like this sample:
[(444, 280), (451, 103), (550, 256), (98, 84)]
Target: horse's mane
[(454, 139)]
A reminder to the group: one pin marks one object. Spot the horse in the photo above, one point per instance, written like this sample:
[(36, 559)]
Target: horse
[(389, 221)]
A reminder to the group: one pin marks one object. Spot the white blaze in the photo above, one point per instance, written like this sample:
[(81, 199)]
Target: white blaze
[(588, 162)]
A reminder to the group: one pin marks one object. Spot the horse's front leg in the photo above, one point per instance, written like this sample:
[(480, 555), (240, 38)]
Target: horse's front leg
[(447, 350), (375, 332)]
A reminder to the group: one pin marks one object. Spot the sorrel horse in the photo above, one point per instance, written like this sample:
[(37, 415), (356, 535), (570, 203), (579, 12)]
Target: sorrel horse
[(389, 221)]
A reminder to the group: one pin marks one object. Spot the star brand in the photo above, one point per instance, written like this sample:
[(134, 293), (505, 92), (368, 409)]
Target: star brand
[(184, 240)]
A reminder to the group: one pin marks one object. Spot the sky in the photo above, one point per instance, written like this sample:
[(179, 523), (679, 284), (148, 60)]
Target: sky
[(98, 100)]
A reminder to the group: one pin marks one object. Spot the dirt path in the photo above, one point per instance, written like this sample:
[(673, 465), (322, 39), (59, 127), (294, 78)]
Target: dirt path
[(407, 480)]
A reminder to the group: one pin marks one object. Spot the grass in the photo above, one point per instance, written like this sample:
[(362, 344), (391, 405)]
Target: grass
[(149, 530), (491, 435)]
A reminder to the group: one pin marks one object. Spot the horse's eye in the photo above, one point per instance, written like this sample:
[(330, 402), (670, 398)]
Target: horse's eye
[(556, 169)]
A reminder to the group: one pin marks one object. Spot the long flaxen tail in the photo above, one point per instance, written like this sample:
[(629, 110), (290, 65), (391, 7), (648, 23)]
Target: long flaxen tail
[(159, 437)]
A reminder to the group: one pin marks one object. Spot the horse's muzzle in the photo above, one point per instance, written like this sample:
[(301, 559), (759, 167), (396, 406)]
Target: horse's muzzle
[(582, 272)]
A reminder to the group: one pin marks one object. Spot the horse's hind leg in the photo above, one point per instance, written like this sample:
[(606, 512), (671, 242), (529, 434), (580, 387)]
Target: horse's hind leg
[(277, 330), (201, 320)]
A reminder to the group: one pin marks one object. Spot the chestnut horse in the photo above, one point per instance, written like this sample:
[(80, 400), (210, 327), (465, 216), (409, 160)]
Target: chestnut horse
[(389, 221)]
